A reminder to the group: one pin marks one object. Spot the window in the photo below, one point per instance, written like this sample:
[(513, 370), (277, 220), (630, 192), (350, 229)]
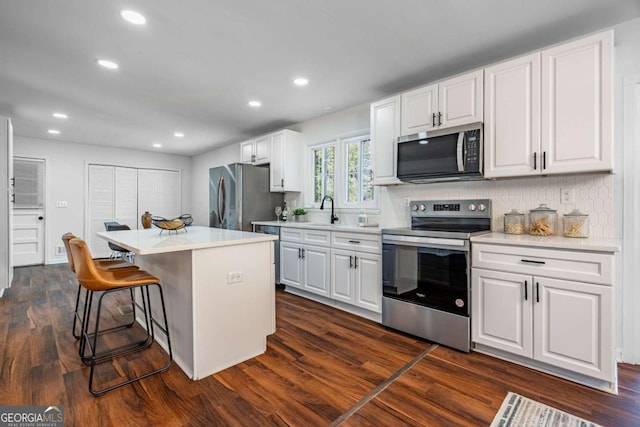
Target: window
[(324, 162), (359, 175), (342, 169)]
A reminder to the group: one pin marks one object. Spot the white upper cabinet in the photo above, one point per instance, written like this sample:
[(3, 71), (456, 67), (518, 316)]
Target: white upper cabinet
[(512, 117), (550, 112), (286, 164), (419, 110), (385, 130), (453, 102), (256, 151), (576, 106)]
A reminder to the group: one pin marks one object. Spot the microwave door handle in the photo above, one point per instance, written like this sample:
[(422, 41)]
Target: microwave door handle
[(460, 152)]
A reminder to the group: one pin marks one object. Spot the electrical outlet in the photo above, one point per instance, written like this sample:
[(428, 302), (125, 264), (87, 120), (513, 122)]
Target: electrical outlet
[(61, 204), (234, 277), (407, 201), (60, 250), (567, 196)]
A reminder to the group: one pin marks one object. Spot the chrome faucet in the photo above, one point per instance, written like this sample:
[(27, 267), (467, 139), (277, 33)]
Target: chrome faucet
[(334, 218)]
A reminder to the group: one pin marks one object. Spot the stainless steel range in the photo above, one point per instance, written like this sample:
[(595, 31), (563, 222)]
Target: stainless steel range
[(426, 270)]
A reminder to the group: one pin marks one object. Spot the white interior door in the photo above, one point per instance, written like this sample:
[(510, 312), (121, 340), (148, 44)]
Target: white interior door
[(28, 213), (6, 188)]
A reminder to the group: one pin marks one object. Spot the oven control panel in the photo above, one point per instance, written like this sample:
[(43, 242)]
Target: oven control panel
[(458, 208)]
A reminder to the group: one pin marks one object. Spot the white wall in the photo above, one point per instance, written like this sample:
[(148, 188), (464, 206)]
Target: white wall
[(65, 180), (200, 166)]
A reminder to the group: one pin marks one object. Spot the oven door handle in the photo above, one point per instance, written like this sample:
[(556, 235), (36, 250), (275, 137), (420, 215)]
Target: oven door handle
[(460, 152), (456, 244)]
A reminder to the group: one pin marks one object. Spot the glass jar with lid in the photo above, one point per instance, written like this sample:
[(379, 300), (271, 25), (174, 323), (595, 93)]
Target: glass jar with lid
[(543, 221), (514, 222), (576, 224)]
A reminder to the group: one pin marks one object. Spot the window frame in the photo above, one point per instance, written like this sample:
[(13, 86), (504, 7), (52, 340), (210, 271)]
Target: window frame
[(310, 156), (344, 202)]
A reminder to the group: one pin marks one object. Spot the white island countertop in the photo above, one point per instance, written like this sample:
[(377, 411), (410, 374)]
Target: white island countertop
[(150, 241), (594, 244)]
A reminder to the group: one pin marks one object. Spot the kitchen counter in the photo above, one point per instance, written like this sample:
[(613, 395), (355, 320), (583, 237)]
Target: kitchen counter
[(321, 226), (219, 306), (558, 242)]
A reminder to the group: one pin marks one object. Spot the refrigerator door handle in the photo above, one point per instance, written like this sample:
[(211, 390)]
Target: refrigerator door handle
[(222, 197)]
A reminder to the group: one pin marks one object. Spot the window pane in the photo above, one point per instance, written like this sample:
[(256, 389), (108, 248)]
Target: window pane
[(317, 176), (353, 172), (330, 157), (367, 173)]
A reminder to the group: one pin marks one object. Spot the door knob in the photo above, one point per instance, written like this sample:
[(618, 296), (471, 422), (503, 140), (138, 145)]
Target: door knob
[(40, 218)]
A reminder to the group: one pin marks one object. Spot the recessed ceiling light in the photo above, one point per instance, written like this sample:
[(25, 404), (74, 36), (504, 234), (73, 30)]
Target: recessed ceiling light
[(157, 145), (301, 81), (54, 131), (60, 115), (107, 64), (178, 135), (255, 104), (133, 17), (327, 107)]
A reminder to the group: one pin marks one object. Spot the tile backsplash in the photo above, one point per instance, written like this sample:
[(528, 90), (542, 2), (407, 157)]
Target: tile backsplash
[(593, 196)]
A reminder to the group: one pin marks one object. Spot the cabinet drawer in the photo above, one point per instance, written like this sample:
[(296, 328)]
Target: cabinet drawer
[(291, 234), (571, 265), (356, 242), (317, 237)]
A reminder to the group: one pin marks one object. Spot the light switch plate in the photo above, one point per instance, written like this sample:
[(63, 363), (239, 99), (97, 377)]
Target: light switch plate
[(234, 277)]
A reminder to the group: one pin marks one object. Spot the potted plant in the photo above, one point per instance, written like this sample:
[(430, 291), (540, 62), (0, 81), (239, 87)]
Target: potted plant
[(300, 215)]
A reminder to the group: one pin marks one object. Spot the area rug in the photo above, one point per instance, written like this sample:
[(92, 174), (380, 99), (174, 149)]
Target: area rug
[(519, 411)]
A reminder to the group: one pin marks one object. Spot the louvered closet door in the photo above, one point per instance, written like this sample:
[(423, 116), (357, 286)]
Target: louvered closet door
[(126, 197), (168, 194), (101, 207), (148, 180)]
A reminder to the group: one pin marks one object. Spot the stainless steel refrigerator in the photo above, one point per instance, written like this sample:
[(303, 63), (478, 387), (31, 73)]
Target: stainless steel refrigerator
[(238, 194)]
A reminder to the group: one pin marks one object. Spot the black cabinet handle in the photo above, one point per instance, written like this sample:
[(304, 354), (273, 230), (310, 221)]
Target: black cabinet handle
[(354, 241), (434, 120), (299, 252), (535, 161), (439, 119), (350, 261), (526, 294), (544, 160), (537, 292), (303, 255), (355, 262), (530, 261)]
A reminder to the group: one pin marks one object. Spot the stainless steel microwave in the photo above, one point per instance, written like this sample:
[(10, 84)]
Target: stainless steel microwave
[(441, 155)]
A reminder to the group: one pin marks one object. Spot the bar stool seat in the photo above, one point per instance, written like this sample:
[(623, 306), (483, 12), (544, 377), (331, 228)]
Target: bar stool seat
[(108, 265), (106, 282)]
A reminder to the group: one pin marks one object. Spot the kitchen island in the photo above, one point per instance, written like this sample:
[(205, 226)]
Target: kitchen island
[(219, 291)]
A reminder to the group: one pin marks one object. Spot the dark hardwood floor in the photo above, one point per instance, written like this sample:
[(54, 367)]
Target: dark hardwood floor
[(322, 367)]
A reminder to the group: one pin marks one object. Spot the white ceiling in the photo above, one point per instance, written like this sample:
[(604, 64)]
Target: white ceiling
[(195, 64)]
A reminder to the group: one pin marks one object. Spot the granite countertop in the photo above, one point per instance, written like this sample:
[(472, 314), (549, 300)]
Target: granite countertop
[(149, 241), (594, 244), (321, 226)]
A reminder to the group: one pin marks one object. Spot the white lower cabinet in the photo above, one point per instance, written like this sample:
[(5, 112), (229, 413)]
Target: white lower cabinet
[(356, 278), (343, 267), (305, 267), (527, 308)]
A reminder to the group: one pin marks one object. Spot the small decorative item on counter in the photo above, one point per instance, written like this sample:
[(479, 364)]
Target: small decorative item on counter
[(576, 224), (543, 221), (145, 219), (300, 215), (514, 222), (285, 212), (363, 219)]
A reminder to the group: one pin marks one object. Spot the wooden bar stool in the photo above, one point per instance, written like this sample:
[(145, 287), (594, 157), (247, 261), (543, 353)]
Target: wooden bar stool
[(108, 282), (107, 265)]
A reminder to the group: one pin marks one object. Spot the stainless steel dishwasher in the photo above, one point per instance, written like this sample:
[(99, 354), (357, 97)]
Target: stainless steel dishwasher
[(272, 229)]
